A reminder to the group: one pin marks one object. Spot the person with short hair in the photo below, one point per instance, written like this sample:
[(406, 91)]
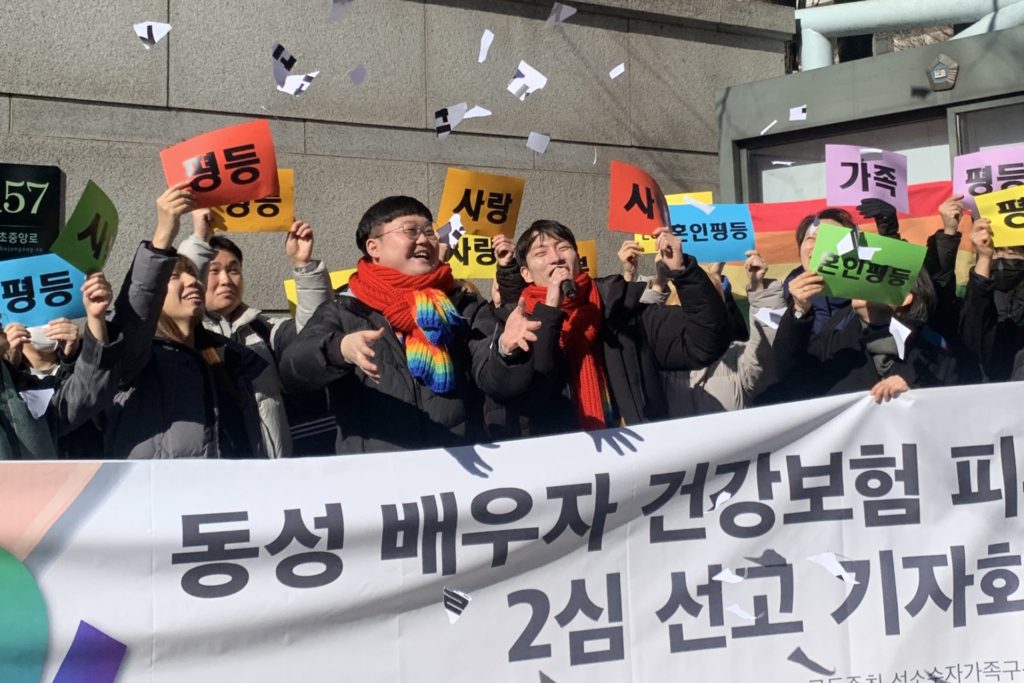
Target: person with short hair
[(599, 350), (406, 351)]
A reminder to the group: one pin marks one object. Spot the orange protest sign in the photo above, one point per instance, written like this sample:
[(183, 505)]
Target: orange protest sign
[(587, 249), (489, 204), (636, 203), (275, 213), (225, 166)]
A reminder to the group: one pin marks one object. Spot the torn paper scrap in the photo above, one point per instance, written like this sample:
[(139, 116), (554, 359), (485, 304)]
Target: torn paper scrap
[(357, 75), (284, 61), (706, 208), (798, 113), (769, 126), (845, 245), (298, 84), (617, 71), (37, 400), (544, 678), (595, 156), (830, 563), (338, 8), (900, 333), (452, 231), (781, 162), (719, 499), (538, 142), (477, 112), (740, 612), (447, 118), (455, 603), (770, 317), (559, 13), (485, 45), (151, 32), (526, 81), (769, 558), (803, 660), (727, 576)]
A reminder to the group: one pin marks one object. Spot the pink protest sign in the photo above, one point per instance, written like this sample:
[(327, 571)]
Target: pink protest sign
[(989, 171), (853, 174)]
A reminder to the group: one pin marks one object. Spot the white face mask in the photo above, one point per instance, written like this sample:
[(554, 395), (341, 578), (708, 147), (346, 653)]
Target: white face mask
[(39, 340)]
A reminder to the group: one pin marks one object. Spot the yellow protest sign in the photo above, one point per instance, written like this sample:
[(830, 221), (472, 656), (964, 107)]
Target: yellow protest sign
[(489, 204), (647, 242), (270, 214), (473, 258), (587, 250), (338, 279), (1005, 210)]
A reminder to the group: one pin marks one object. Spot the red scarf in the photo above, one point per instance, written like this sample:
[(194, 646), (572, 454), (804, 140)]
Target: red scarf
[(579, 341), (417, 306)]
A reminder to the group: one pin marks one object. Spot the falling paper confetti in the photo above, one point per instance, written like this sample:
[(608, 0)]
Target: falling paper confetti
[(900, 333), (452, 231), (455, 603), (358, 74), (706, 208), (830, 563), (719, 500), (769, 126), (803, 660), (740, 612), (151, 32), (559, 13), (447, 118), (798, 113), (769, 558), (485, 45), (338, 8), (782, 163), (526, 81), (617, 71), (284, 61), (538, 142), (298, 84), (770, 317), (727, 576), (477, 112)]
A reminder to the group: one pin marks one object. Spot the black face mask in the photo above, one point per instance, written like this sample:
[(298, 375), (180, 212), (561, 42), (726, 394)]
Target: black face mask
[(1007, 274)]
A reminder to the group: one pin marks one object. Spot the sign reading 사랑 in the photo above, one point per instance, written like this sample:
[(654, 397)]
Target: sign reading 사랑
[(31, 209)]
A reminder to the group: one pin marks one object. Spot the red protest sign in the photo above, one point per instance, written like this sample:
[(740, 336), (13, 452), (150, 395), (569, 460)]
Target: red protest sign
[(636, 203), (228, 165)]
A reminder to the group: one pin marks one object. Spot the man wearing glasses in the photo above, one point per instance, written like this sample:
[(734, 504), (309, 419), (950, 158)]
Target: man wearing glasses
[(406, 350)]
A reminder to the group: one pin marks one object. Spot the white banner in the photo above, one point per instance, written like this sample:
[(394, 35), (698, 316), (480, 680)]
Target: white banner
[(831, 540)]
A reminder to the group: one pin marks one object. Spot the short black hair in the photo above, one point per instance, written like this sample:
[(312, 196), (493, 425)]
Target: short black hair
[(925, 300), (220, 243), (385, 211), (840, 216), (543, 227)]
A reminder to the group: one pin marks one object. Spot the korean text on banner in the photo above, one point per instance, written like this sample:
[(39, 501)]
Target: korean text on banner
[(881, 269), (274, 213), (853, 174), (635, 201), (36, 289), (725, 234), (31, 209), (339, 278), (587, 250), (473, 257), (86, 240), (992, 170), (1005, 210), (647, 242), (489, 204), (225, 166)]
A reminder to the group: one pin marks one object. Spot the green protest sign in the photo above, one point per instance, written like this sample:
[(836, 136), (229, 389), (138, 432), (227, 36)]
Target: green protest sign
[(90, 232), (880, 269)]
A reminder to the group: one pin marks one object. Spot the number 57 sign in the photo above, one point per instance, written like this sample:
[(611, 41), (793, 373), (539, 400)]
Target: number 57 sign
[(30, 209)]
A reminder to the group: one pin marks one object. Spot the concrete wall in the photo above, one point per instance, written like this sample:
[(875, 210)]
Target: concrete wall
[(80, 91)]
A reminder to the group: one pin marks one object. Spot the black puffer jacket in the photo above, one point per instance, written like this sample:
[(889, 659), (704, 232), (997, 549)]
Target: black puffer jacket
[(638, 341), (399, 413)]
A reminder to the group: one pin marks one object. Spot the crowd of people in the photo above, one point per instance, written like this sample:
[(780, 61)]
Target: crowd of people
[(405, 356)]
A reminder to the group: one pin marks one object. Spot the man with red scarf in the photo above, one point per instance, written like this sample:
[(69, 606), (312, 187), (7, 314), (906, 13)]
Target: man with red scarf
[(405, 351), (599, 348)]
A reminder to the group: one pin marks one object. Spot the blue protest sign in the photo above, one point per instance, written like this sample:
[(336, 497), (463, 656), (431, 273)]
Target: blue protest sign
[(725, 233), (36, 289)]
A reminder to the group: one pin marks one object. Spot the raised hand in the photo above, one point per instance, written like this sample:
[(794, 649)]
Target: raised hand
[(519, 330), (805, 287), (357, 348), (756, 268), (629, 256), (951, 211), (171, 205), (298, 244)]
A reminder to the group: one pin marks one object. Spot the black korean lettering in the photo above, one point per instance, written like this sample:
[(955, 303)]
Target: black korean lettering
[(57, 287), (647, 208), (858, 169), (470, 203), (480, 510), (216, 554), (569, 516), (19, 294), (540, 607), (295, 530), (243, 162)]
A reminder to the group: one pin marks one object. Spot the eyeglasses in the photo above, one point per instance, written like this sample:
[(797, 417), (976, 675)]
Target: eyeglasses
[(413, 231)]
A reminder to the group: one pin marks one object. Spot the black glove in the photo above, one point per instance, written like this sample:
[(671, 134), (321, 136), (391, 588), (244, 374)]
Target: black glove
[(884, 214)]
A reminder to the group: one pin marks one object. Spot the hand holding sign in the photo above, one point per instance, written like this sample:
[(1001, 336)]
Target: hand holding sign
[(981, 238), (635, 201), (171, 205), (629, 256), (951, 211), (803, 288), (756, 268), (225, 166), (504, 249), (853, 174)]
